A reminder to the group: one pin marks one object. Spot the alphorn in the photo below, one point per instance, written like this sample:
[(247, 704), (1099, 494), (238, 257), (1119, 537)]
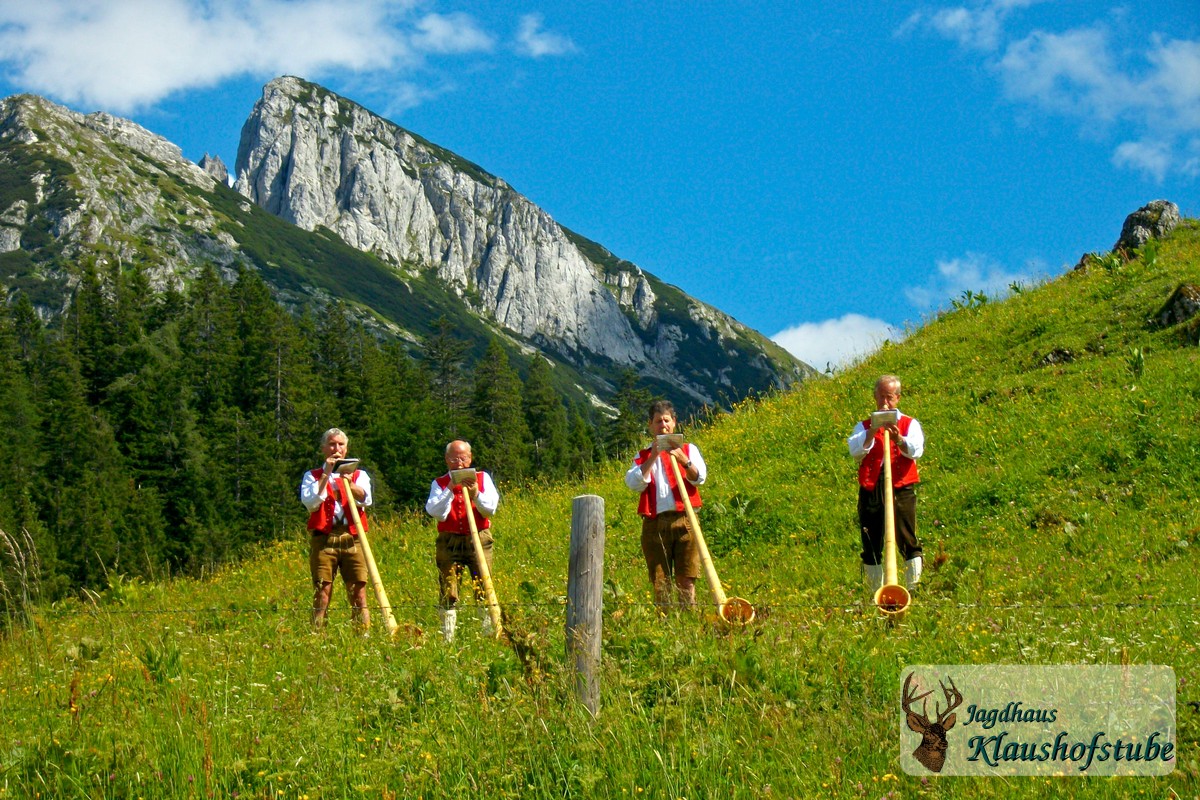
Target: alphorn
[(732, 610), (485, 572), (381, 597), (891, 599)]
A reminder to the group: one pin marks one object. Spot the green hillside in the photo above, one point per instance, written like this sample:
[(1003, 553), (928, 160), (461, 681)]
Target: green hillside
[(1058, 518)]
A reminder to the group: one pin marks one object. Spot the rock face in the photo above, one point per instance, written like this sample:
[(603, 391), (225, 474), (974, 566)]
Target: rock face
[(81, 186), (433, 238), (319, 160), (215, 167), (1183, 305), (1152, 221)]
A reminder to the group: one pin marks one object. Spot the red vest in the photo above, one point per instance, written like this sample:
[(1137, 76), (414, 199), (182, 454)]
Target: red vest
[(321, 520), (648, 502), (904, 469), (457, 521)]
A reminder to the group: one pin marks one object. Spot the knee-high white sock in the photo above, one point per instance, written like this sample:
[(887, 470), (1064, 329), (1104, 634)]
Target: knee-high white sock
[(912, 572), (874, 574), (485, 621), (449, 621)]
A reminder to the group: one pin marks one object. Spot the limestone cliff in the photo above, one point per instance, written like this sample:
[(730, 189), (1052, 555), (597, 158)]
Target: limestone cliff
[(96, 186), (321, 161), (347, 205)]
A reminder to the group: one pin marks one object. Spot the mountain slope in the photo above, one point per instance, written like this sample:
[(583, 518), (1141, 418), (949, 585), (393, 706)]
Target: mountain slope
[(319, 160), (96, 187), (1057, 513)]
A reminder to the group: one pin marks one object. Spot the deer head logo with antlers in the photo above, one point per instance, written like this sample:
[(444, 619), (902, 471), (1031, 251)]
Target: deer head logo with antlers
[(932, 750)]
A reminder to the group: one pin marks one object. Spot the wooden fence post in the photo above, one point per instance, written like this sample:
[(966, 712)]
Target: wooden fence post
[(585, 597)]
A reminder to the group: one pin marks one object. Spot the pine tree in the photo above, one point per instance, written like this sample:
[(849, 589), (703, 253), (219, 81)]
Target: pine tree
[(136, 301), (581, 445), (27, 331), (444, 357), (404, 438), (208, 335), (18, 414), (159, 435), (502, 437), (315, 402), (546, 417), (627, 431), (169, 305), (93, 334), (20, 420), (270, 388), (101, 521), (340, 347)]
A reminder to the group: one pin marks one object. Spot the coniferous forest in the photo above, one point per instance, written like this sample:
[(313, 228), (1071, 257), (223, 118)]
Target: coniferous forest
[(152, 433)]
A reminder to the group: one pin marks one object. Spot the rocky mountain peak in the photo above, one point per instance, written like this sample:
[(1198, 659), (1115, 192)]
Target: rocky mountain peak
[(215, 167), (84, 186), (349, 206), (319, 160)]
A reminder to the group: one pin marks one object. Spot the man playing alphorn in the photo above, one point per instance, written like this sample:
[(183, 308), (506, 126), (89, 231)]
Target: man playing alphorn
[(907, 445), (333, 544), (449, 504), (668, 545)]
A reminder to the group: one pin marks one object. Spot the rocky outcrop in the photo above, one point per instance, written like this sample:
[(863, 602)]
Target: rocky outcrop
[(319, 160), (99, 185), (12, 222), (1152, 221), (1182, 306), (215, 167)]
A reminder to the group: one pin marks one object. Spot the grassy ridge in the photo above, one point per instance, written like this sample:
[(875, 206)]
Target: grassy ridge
[(1057, 523)]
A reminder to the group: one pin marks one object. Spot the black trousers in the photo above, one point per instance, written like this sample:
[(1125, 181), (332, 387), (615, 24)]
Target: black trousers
[(870, 522)]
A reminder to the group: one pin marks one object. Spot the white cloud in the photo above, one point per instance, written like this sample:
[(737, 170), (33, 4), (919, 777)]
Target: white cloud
[(1151, 158), (835, 342), (979, 27), (1146, 91), (451, 34), (976, 30), (973, 272), (1077, 74), (1174, 80), (1191, 158), (1071, 73), (125, 55), (534, 42)]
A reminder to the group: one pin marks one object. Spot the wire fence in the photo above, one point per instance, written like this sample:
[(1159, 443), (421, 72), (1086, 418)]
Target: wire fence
[(765, 610)]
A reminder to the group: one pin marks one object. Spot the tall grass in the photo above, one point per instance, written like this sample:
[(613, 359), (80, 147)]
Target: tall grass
[(1058, 522)]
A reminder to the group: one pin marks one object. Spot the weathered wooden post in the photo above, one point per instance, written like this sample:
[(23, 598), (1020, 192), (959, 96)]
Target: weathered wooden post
[(585, 597)]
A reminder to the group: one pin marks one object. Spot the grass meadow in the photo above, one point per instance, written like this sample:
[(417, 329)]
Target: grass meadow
[(1059, 523)]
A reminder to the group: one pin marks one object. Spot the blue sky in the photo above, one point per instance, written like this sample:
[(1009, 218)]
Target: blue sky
[(827, 175)]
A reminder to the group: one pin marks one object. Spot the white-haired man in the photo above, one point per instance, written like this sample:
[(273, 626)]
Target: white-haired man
[(333, 544), (907, 440), (449, 504)]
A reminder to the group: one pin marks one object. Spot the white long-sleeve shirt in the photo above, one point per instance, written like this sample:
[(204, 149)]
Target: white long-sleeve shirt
[(664, 498), (312, 499), (440, 500), (862, 440)]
